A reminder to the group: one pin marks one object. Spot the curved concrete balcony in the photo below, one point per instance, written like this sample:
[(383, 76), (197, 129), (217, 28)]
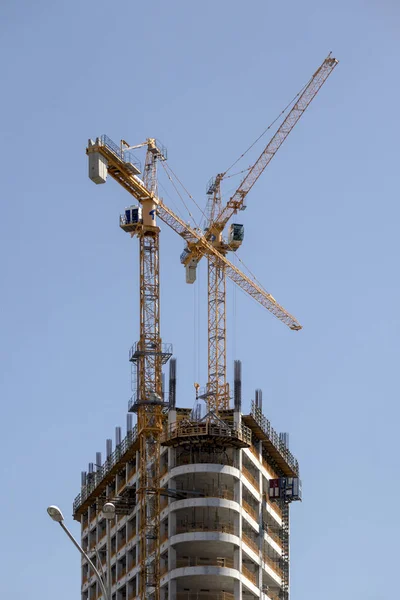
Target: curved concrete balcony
[(205, 501), (201, 532), (201, 468), (219, 576), (214, 572)]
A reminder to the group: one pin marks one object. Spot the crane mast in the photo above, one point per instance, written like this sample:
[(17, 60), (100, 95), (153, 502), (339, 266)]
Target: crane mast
[(149, 403), (217, 389)]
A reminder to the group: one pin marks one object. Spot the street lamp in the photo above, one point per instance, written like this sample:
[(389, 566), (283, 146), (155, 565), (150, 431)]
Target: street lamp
[(57, 516)]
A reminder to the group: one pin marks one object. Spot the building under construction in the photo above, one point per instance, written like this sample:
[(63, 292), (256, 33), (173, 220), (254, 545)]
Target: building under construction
[(200, 501), (223, 515)]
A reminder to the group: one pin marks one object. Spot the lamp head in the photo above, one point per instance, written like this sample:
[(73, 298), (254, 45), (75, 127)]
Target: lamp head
[(55, 513), (109, 510)]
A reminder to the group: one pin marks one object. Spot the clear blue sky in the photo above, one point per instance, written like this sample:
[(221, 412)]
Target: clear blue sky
[(321, 234)]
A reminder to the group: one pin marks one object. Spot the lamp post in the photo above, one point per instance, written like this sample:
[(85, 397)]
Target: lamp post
[(57, 516)]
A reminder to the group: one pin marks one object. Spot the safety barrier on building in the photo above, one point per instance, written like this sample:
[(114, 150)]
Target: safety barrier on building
[(250, 477), (206, 527), (101, 475), (274, 444), (249, 574), (181, 431), (195, 561), (250, 542), (249, 509)]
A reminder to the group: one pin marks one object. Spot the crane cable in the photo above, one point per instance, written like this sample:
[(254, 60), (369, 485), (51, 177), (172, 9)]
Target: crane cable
[(165, 167), (172, 200), (188, 193), (238, 173), (192, 217), (269, 127), (179, 194), (191, 197)]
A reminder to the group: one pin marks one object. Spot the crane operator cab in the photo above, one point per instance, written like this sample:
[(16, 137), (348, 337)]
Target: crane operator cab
[(235, 236), (131, 218), (133, 214)]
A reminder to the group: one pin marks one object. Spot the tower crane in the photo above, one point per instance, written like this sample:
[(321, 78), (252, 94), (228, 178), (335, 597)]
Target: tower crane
[(149, 353), (217, 390)]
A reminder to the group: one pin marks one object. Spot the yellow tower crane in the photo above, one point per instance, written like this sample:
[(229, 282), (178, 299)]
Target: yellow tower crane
[(149, 353), (217, 391)]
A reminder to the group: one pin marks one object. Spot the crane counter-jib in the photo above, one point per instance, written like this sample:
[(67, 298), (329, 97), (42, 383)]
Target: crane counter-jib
[(105, 152)]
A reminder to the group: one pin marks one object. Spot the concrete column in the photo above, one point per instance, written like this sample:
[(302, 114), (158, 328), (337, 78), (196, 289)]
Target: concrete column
[(171, 458), (172, 589), (237, 553), (137, 465), (171, 451), (171, 416), (239, 459), (164, 592), (260, 528), (237, 589), (171, 559), (171, 524), (171, 549), (137, 583), (237, 419)]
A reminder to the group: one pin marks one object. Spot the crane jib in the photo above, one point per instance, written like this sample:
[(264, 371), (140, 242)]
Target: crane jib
[(312, 88)]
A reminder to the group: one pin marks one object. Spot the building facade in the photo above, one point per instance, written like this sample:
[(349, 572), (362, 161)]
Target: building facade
[(225, 487)]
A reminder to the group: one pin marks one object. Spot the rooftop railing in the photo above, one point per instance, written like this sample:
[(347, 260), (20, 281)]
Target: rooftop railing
[(206, 428), (273, 436), (104, 470)]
